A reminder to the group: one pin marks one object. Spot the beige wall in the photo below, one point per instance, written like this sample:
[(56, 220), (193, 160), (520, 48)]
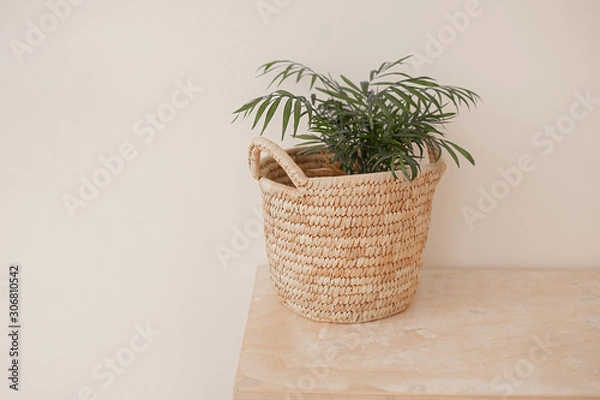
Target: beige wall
[(144, 246)]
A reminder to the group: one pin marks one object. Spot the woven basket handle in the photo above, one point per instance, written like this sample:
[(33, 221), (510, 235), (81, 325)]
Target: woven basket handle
[(260, 144), (432, 152)]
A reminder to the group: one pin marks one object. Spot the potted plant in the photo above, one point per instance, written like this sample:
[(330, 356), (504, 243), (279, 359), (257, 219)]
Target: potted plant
[(347, 214)]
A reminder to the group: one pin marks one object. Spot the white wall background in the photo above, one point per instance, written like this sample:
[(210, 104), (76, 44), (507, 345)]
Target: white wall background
[(145, 247)]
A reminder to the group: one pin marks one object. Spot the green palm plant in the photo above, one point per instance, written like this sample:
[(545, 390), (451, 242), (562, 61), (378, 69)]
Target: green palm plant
[(385, 123)]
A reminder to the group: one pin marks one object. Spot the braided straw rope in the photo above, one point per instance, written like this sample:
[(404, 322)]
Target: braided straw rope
[(346, 248)]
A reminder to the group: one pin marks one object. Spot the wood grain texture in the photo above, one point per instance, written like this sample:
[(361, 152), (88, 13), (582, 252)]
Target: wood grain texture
[(470, 334)]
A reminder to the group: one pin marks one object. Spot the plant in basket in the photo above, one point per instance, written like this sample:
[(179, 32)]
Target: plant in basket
[(347, 213)]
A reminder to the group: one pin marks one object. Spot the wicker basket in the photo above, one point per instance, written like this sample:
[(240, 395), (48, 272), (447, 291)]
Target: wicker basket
[(346, 248)]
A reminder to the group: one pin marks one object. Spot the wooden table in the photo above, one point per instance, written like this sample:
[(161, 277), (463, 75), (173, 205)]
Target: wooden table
[(470, 334)]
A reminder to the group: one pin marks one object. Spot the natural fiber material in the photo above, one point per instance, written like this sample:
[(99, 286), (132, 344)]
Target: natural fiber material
[(342, 248)]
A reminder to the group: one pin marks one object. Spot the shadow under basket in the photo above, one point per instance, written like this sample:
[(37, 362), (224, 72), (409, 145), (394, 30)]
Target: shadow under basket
[(342, 248)]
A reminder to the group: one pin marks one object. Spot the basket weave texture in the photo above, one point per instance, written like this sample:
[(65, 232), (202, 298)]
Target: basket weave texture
[(342, 249)]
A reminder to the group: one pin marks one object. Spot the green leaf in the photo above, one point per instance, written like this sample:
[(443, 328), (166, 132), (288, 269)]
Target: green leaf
[(416, 93), (309, 109), (404, 96), (402, 74), (249, 105), (339, 95), (364, 86), (400, 105), (463, 152), (451, 152), (261, 110), (282, 92), (297, 110), (287, 110), (414, 167), (400, 160), (384, 108), (280, 76), (308, 136), (422, 82), (350, 83), (270, 114), (266, 67)]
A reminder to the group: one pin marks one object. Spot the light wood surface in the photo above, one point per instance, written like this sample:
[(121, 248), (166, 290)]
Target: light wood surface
[(470, 334)]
